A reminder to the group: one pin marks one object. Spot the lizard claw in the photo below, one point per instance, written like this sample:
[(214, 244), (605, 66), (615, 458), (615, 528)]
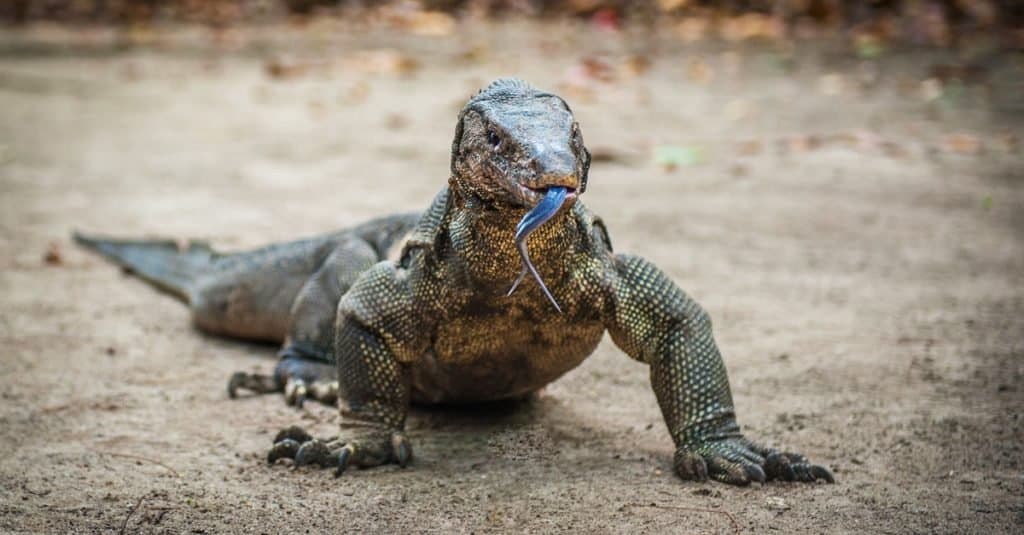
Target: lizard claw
[(374, 449), (283, 449), (314, 452), (738, 461), (295, 392), (343, 457)]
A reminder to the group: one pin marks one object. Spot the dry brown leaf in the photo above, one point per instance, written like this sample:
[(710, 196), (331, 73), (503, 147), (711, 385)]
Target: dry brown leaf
[(607, 19), (431, 23), (283, 69), (396, 121), (1008, 142), (748, 148), (583, 6), (478, 53), (607, 154), (598, 69), (966, 73), (750, 26), (382, 61), (636, 65), (53, 256), (692, 29), (672, 5), (963, 144), (984, 12), (801, 143)]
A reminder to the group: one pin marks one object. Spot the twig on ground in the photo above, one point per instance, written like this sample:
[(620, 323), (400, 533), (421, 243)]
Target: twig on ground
[(124, 525), (732, 519), (141, 458)]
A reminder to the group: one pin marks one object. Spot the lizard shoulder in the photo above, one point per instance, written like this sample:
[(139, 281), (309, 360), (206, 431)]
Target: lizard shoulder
[(426, 235)]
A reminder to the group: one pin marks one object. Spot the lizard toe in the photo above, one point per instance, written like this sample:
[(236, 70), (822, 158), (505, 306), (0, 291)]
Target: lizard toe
[(727, 471), (283, 449), (690, 466), (343, 456), (315, 452), (253, 382), (293, 432), (295, 392)]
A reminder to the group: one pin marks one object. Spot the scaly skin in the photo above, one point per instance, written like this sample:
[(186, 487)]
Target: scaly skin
[(435, 324)]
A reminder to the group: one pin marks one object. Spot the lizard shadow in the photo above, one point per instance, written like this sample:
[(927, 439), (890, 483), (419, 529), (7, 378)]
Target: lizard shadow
[(538, 428)]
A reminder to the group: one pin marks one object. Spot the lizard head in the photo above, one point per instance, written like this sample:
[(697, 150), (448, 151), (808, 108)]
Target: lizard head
[(514, 142)]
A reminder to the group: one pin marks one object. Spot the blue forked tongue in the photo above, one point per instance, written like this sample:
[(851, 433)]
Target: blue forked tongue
[(545, 210)]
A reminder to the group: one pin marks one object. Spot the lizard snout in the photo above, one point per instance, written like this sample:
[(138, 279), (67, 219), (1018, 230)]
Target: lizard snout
[(553, 167)]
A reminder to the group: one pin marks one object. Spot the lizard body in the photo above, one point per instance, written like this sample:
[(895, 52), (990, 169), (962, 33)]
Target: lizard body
[(436, 323)]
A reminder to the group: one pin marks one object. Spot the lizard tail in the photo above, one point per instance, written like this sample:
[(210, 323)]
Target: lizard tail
[(165, 264)]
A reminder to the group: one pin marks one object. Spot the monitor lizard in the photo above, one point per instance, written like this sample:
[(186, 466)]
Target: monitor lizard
[(417, 307)]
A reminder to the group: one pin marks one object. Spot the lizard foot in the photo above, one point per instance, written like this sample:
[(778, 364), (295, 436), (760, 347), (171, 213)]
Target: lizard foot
[(373, 449), (738, 461), (299, 378)]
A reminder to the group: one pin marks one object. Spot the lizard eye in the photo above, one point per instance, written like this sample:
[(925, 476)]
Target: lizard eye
[(493, 138)]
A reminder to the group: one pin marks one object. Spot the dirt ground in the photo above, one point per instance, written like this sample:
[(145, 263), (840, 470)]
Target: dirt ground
[(854, 229)]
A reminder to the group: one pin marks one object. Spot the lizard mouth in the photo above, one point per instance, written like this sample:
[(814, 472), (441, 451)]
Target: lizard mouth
[(532, 195)]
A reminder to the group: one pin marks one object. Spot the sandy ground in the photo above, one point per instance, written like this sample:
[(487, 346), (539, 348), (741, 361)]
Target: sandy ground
[(863, 268)]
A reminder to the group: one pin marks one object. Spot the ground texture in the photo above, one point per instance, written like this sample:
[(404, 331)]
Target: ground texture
[(854, 229)]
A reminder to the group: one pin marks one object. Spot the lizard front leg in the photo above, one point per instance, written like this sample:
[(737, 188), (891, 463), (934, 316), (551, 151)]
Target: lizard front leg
[(378, 334), (653, 321)]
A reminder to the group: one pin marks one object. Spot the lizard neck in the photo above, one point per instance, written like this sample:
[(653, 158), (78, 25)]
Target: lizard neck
[(483, 238)]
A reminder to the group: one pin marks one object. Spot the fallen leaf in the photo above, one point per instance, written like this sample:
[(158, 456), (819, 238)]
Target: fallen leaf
[(670, 157), (478, 53), (1008, 142), (53, 256), (751, 26), (606, 154), (749, 148), (580, 79), (598, 69), (636, 65), (965, 73), (869, 45), (672, 5), (963, 144), (431, 23), (382, 61), (283, 69), (396, 121), (692, 29), (801, 143), (607, 19)]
